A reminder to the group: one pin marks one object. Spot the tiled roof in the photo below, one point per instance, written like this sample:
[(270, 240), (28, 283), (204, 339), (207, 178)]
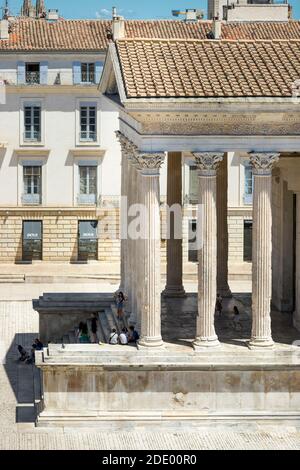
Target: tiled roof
[(206, 68), (82, 35)]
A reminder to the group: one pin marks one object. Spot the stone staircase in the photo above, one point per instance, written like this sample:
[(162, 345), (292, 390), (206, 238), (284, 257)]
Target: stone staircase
[(107, 320), (12, 278)]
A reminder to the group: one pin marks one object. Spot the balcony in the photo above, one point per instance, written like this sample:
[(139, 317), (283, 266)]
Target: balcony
[(52, 78)]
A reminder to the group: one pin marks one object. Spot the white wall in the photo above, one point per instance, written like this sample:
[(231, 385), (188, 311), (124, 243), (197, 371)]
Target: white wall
[(60, 129)]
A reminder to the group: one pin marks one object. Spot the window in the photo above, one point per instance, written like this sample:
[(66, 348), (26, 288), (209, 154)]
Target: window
[(248, 240), (88, 240), (88, 123), (32, 73), (88, 184), (193, 252), (32, 177), (32, 123), (248, 194), (88, 73), (193, 185), (32, 240)]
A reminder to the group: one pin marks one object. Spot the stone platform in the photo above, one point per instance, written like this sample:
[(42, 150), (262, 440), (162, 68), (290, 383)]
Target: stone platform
[(92, 384)]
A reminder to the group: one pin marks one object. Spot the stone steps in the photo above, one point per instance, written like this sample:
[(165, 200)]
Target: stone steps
[(107, 320), (12, 278)]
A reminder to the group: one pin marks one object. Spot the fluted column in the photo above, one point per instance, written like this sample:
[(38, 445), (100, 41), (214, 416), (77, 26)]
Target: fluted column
[(207, 164), (128, 261), (297, 275), (222, 230), (149, 165), (123, 214), (174, 287), (262, 250)]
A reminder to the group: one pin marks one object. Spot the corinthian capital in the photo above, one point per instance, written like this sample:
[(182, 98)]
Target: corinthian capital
[(149, 163), (263, 162), (208, 162), (129, 149)]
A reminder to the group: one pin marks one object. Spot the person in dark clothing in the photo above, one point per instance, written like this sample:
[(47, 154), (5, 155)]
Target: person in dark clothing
[(133, 336), (24, 356), (38, 345), (94, 329)]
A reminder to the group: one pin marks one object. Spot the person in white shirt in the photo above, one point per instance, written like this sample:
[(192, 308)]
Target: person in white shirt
[(113, 339), (123, 338)]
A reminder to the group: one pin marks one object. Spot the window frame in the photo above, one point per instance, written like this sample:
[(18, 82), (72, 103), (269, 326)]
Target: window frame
[(79, 142), (248, 196), (32, 198), (88, 72), (34, 102)]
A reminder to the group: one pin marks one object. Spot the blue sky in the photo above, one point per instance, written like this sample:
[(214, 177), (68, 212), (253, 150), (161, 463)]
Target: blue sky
[(128, 8)]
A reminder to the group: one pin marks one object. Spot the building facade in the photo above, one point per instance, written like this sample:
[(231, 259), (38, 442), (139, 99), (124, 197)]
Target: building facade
[(60, 176)]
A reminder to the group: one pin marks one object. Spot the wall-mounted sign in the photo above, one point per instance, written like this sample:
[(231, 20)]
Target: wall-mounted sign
[(88, 230), (32, 230)]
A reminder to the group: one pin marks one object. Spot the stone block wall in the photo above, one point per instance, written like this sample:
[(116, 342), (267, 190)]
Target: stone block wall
[(60, 234)]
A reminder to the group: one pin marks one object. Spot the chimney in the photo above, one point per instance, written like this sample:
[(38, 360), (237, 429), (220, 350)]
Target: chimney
[(217, 28), (53, 15), (4, 34), (118, 26)]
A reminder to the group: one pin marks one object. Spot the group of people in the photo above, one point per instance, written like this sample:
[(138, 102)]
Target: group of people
[(29, 357), (130, 336)]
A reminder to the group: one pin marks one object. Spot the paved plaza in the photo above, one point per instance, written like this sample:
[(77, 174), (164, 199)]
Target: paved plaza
[(19, 325)]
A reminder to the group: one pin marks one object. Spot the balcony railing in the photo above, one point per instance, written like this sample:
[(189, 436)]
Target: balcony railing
[(87, 199), (53, 77), (32, 136), (88, 136), (32, 78), (31, 199), (88, 77)]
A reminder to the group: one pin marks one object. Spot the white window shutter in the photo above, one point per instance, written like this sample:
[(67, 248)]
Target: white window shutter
[(44, 73), (76, 73), (21, 73)]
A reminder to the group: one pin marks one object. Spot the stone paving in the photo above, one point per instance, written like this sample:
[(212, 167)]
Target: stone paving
[(19, 325)]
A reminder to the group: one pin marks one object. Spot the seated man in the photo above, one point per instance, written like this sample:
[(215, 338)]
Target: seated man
[(123, 339), (133, 335), (24, 356), (114, 338)]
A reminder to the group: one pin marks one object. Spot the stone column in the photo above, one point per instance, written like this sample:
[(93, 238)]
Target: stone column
[(207, 164), (262, 250), (149, 165), (127, 193), (222, 230), (297, 280), (174, 287), (123, 223)]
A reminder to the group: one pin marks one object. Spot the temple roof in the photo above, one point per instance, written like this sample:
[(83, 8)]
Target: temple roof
[(207, 68), (91, 35)]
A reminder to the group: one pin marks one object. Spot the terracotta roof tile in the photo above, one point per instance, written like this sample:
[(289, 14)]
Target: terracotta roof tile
[(205, 68), (82, 35)]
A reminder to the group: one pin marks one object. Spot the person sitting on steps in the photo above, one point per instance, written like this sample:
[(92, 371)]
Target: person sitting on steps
[(114, 337)]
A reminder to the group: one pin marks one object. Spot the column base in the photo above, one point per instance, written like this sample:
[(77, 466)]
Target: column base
[(174, 291), (204, 344), (261, 344), (148, 343)]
